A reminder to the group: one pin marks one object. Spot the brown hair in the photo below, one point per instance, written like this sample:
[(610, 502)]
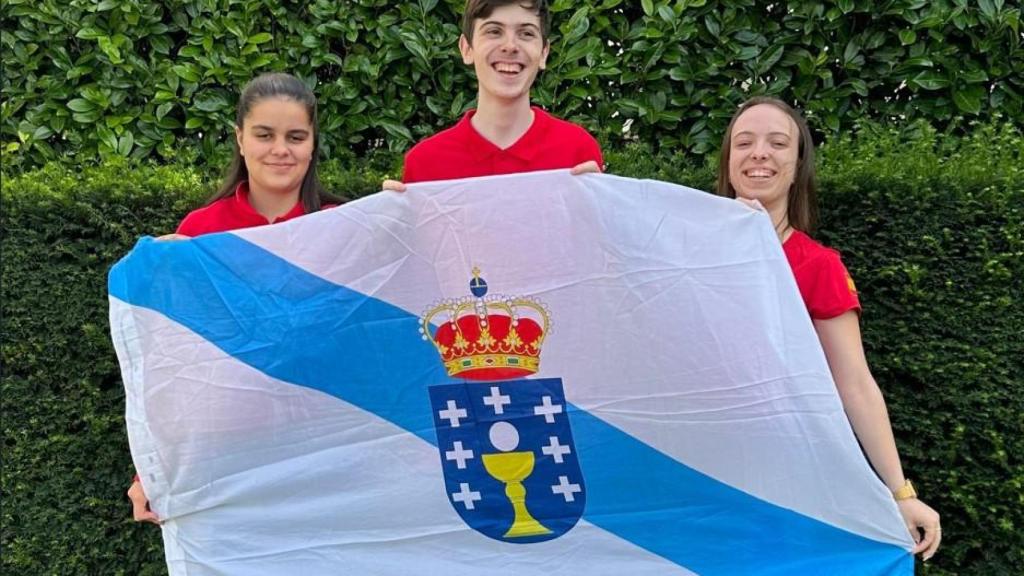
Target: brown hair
[(478, 9), (278, 85), (802, 208)]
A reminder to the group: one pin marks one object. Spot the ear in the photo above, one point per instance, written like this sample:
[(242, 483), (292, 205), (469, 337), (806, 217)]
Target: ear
[(466, 49), (544, 55), (238, 140)]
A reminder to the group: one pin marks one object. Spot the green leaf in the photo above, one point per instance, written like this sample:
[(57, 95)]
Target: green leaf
[(169, 123), (648, 7), (42, 133), (679, 73), (262, 60), (107, 137), (859, 86), (89, 117), (919, 62), (235, 29), (436, 105), (211, 103), (579, 49), (125, 144), (969, 98), (186, 72), (395, 129), (769, 58), (578, 73), (851, 50), (81, 105), (577, 25), (110, 49), (711, 23), (973, 76), (747, 37), (193, 123), (748, 52), (89, 33), (907, 37), (163, 109), (988, 8), (930, 80), (160, 44), (260, 38)]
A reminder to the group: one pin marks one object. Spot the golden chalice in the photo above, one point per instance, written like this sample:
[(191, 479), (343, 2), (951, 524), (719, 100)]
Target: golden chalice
[(512, 468)]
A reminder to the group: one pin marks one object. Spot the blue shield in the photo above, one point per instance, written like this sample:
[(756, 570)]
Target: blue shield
[(509, 460)]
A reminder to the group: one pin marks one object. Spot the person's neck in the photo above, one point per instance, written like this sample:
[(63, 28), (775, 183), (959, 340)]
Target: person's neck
[(779, 214), (502, 122), (272, 205)]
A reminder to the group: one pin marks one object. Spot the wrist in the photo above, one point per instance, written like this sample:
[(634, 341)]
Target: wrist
[(904, 492)]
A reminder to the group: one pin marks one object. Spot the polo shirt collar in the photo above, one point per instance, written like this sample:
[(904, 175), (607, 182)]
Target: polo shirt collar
[(525, 148), (244, 207)]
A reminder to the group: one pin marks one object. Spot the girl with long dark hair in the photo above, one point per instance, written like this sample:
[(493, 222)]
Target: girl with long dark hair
[(272, 178), (767, 160)]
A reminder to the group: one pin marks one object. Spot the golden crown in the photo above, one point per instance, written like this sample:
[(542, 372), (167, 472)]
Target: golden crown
[(483, 337)]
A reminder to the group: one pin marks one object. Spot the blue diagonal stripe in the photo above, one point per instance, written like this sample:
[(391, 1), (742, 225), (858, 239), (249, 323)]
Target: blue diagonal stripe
[(302, 329)]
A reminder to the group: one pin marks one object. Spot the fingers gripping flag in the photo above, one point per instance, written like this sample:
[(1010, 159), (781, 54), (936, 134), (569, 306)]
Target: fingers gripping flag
[(530, 374)]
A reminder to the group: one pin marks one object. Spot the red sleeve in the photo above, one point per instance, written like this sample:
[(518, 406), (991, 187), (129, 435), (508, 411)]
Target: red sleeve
[(833, 291), (409, 172), (593, 152), (190, 226)]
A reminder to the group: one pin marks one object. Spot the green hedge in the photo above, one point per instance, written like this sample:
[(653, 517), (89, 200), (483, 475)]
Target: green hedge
[(930, 226), (159, 78)]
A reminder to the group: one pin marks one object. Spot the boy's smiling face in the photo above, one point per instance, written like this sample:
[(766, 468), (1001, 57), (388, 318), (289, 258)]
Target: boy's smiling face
[(507, 50)]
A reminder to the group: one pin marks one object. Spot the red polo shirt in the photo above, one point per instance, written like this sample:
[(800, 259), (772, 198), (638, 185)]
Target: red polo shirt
[(230, 213), (461, 152), (824, 282)]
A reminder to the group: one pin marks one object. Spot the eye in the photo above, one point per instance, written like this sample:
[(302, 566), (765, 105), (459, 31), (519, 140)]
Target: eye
[(492, 32), (263, 135), (529, 34), (296, 138), (742, 144), (780, 144)]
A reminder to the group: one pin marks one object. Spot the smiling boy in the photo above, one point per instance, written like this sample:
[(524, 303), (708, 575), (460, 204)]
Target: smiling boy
[(506, 42)]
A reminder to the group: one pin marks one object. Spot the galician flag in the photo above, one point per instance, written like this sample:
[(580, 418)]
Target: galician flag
[(517, 375)]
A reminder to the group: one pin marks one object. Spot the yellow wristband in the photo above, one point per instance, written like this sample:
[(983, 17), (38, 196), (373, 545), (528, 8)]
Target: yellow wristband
[(905, 492)]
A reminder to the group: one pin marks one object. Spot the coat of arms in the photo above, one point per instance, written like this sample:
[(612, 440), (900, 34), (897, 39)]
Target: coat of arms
[(510, 465)]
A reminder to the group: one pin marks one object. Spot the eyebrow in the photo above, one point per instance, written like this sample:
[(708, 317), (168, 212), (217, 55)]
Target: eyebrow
[(749, 133), (271, 129), (502, 24)]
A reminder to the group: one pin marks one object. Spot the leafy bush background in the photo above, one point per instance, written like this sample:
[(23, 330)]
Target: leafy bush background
[(930, 226), (88, 78)]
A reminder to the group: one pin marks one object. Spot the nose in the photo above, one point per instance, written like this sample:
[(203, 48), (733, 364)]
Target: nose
[(509, 43), (760, 151), (280, 147)]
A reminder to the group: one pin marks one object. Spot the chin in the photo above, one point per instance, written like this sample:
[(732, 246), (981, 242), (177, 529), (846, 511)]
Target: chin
[(506, 93)]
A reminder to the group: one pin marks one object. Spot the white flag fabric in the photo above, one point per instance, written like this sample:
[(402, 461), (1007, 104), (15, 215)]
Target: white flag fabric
[(527, 374)]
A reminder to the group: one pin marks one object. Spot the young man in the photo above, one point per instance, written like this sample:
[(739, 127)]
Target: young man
[(506, 42)]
